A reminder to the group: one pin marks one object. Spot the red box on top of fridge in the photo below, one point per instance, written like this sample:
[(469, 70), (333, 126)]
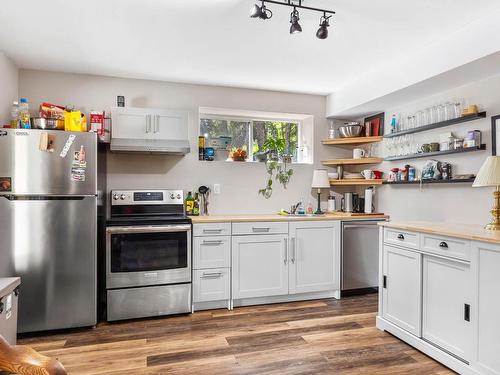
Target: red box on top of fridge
[(97, 122)]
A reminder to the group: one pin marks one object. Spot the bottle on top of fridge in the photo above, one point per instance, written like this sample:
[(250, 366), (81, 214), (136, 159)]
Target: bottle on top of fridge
[(189, 204), (24, 114), (14, 115)]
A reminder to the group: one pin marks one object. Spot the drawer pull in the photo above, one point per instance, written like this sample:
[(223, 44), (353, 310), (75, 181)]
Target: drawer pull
[(467, 312), (212, 274), (401, 237), (444, 245), (257, 229), (212, 242), (212, 230)]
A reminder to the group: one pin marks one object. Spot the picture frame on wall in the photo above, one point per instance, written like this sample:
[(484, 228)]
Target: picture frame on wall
[(377, 122), (495, 134)]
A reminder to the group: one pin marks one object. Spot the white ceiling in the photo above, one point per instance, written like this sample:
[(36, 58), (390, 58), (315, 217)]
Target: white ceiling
[(215, 41)]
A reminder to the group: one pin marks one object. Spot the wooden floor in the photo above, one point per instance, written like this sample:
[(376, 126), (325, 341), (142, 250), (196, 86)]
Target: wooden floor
[(314, 337)]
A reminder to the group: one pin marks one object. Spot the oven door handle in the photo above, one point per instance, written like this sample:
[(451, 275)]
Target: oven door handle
[(149, 229)]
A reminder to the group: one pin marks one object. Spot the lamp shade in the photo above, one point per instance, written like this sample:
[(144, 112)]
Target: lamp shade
[(489, 174), (320, 179)]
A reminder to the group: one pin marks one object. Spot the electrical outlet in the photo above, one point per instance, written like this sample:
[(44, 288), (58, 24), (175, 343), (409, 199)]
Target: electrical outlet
[(216, 188)]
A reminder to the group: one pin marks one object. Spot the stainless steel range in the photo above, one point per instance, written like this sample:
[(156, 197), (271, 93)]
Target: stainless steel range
[(148, 254)]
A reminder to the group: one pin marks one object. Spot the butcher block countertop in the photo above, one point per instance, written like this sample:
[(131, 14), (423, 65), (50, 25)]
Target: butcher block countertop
[(473, 232), (275, 217)]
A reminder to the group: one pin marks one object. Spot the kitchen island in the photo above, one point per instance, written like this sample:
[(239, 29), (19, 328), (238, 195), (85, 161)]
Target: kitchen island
[(241, 260), (438, 291)]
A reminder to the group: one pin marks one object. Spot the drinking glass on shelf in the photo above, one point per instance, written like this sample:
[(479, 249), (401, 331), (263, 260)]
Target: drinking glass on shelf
[(448, 111), (420, 118), (434, 114), (441, 113), (459, 107), (428, 116)]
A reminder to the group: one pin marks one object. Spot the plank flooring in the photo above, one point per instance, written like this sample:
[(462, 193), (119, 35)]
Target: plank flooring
[(314, 337)]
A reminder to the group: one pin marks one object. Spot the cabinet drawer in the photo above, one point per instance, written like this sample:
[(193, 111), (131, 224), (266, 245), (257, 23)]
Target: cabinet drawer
[(211, 252), (446, 246), (260, 228), (212, 229), (211, 285), (401, 238)]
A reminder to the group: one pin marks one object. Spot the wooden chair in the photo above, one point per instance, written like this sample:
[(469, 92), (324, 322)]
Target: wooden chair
[(23, 360)]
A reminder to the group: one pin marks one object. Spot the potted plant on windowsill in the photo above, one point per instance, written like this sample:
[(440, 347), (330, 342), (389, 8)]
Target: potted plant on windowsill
[(276, 163)]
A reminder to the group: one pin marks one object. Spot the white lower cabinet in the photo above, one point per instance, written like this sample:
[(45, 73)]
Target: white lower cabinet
[(402, 289), (487, 335), (211, 285), (314, 257), (259, 266), (446, 305)]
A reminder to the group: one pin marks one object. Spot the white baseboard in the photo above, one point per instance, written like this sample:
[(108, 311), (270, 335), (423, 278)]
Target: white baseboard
[(286, 298)]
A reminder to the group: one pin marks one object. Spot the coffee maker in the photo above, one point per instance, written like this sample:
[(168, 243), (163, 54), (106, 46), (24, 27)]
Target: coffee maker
[(350, 202)]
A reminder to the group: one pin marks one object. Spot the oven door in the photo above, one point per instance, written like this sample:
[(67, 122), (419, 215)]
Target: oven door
[(148, 255)]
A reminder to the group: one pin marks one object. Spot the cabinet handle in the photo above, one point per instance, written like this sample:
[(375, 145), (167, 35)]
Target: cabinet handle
[(286, 250), (212, 230), (256, 229), (384, 282), (444, 245), (401, 237), (293, 250), (148, 123), (212, 274), (157, 123), (212, 242), (467, 312)]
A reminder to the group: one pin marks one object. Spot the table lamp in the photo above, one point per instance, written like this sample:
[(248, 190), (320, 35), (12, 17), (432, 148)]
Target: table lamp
[(320, 181), (489, 175)]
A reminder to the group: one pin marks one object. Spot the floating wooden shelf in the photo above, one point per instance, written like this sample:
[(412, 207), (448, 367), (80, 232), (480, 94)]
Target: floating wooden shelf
[(452, 181), (437, 153), (354, 141), (352, 161), (437, 125), (356, 182)]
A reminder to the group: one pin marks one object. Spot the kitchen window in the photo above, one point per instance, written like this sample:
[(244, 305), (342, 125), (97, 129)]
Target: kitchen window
[(226, 132)]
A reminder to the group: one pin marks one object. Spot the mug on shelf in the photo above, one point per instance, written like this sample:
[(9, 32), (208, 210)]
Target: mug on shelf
[(358, 153), (367, 174), (377, 174), (425, 147)]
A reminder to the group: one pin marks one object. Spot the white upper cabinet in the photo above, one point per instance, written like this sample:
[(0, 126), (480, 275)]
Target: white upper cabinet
[(169, 124), (131, 123), (259, 266), (314, 256), (446, 310), (402, 289)]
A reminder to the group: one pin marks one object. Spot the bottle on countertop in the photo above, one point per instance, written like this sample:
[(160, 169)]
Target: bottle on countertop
[(24, 114), (310, 208), (196, 205), (14, 115), (189, 204)]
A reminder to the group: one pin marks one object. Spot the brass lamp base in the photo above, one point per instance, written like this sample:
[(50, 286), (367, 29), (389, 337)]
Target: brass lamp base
[(495, 212)]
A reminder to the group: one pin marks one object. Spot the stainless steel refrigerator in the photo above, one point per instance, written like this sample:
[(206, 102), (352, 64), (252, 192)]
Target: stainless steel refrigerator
[(48, 225)]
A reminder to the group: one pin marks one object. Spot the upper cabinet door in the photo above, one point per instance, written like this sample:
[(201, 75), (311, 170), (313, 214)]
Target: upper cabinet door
[(446, 305), (314, 256), (487, 312), (259, 266), (402, 292), (170, 124), (131, 123)]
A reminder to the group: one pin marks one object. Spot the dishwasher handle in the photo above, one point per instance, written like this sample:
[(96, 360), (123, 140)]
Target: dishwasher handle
[(359, 226)]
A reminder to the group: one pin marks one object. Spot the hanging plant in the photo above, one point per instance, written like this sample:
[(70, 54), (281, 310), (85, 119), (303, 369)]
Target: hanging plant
[(276, 164)]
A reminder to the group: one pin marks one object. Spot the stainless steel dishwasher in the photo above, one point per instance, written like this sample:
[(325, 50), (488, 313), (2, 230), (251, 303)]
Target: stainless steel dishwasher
[(360, 256)]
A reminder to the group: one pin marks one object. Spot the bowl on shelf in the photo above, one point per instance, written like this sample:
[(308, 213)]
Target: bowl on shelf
[(350, 130)]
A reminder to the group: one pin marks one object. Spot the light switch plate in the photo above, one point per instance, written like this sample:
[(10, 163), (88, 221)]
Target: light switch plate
[(216, 188)]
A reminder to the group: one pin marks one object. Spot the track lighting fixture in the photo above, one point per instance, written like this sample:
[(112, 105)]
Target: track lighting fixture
[(260, 12), (324, 22), (294, 20), (263, 13)]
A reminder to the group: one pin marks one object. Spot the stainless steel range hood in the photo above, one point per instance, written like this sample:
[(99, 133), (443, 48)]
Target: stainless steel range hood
[(150, 146)]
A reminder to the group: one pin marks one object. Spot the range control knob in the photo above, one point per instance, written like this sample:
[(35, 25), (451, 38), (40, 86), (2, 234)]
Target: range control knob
[(172, 196), (115, 197), (178, 196), (122, 197)]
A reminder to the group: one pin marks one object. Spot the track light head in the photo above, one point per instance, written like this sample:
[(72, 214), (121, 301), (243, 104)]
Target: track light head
[(294, 20), (260, 12), (322, 32)]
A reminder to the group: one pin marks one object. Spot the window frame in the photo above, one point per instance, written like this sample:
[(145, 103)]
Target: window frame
[(250, 120)]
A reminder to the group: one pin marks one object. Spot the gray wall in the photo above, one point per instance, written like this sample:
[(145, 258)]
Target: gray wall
[(9, 87), (239, 182)]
